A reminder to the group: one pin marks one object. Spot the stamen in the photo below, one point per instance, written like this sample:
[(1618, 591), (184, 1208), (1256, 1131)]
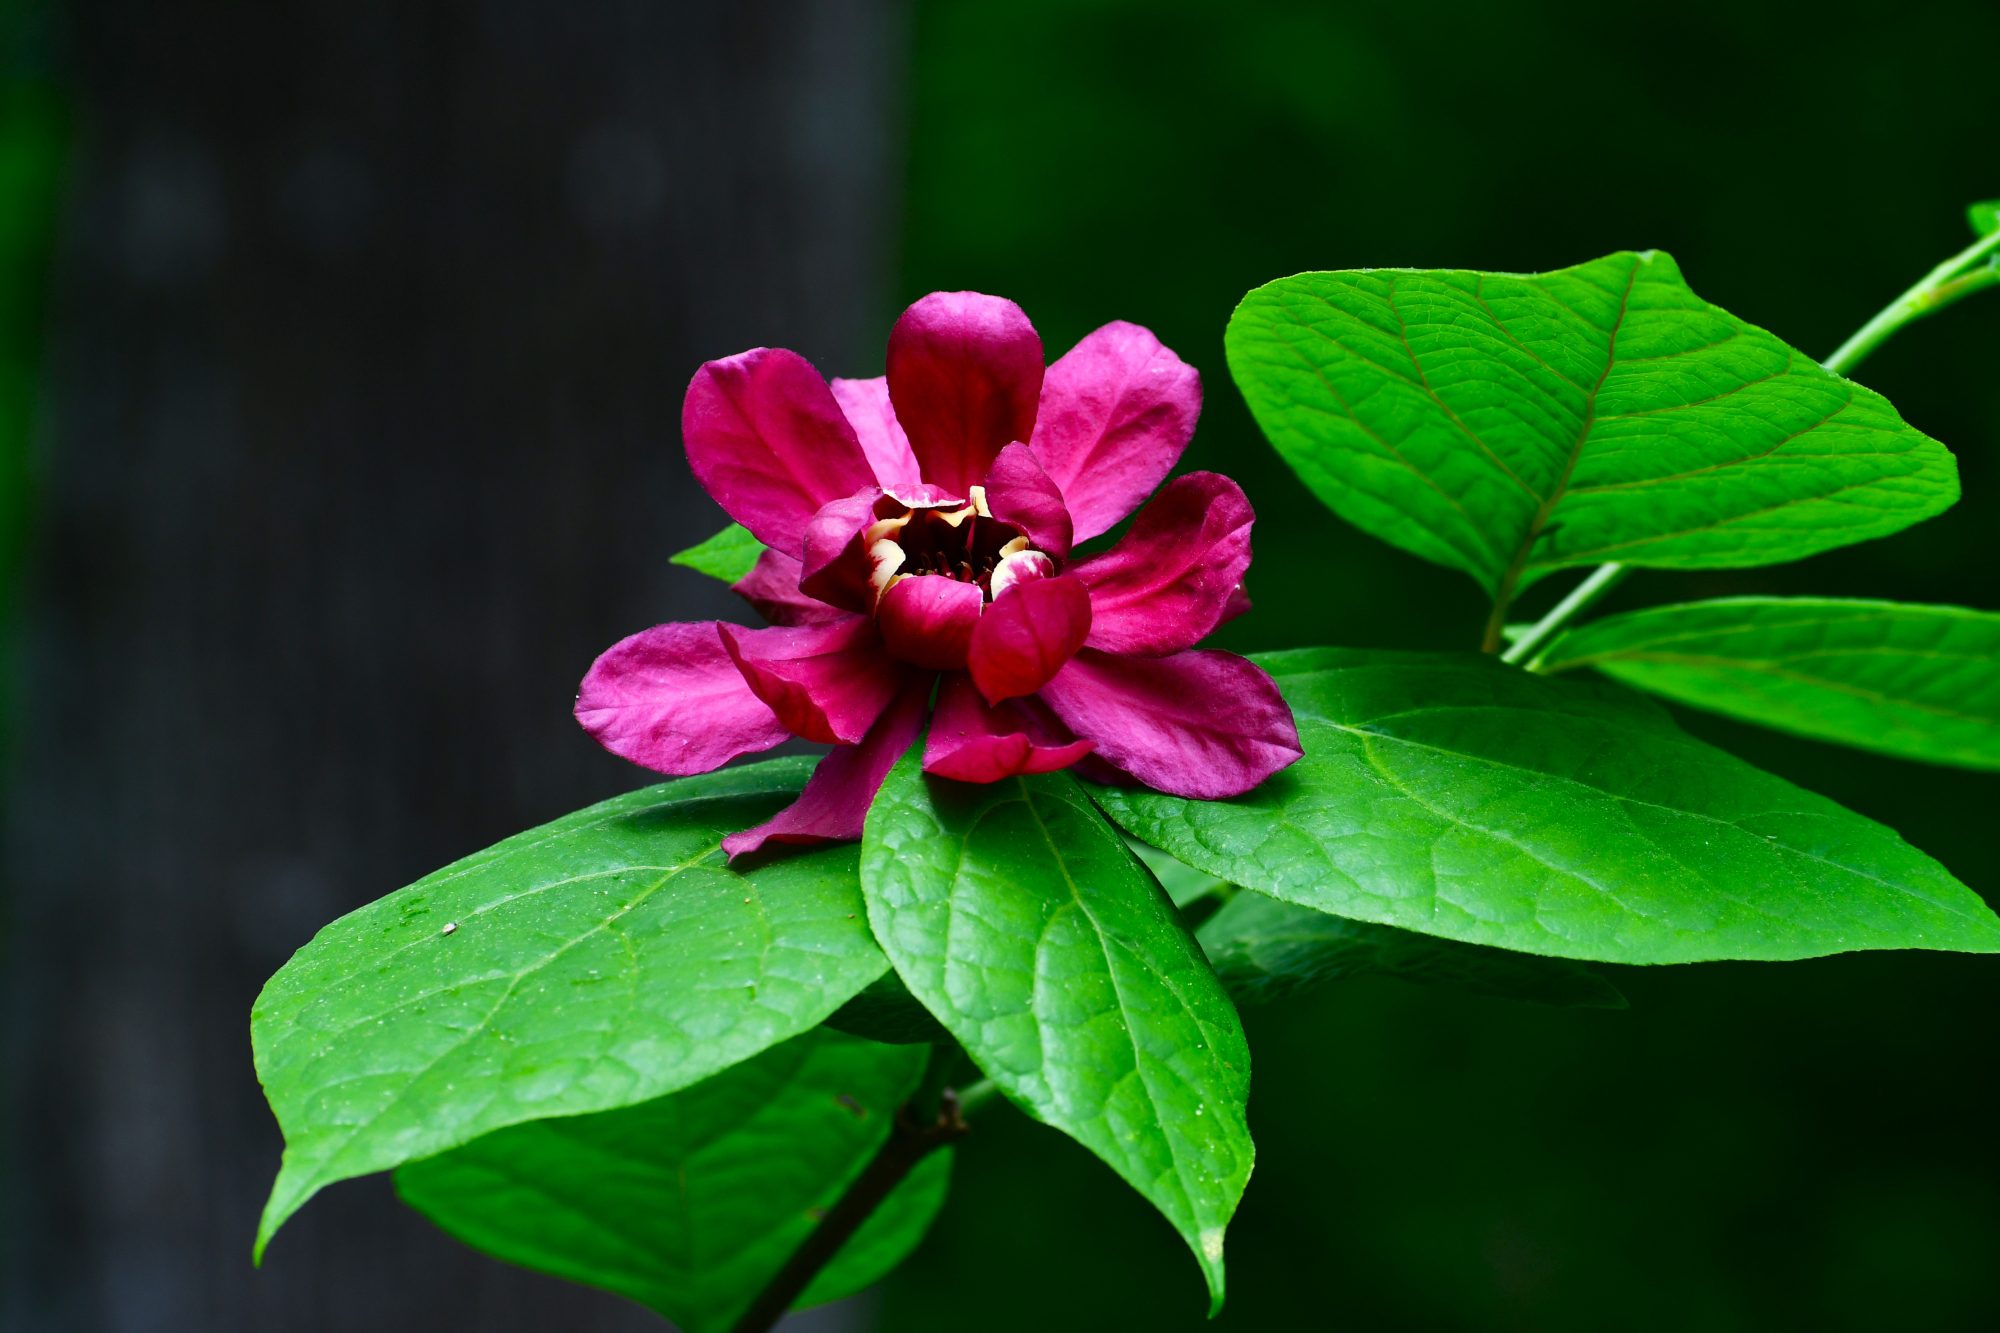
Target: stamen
[(957, 516), (967, 545)]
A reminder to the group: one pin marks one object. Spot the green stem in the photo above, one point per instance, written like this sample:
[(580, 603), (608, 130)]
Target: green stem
[(1953, 280), (1602, 580), (1943, 285), (971, 1098), (933, 1117), (913, 1138)]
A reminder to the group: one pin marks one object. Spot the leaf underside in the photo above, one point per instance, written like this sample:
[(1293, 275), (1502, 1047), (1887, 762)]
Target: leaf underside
[(605, 959), (885, 1011), (1919, 682), (1509, 425), (1267, 950), (1458, 797), (1022, 921), (691, 1203)]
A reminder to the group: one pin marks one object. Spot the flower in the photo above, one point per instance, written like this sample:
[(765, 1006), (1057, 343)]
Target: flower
[(918, 529)]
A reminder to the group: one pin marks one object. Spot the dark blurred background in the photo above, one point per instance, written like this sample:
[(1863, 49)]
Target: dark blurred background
[(341, 349)]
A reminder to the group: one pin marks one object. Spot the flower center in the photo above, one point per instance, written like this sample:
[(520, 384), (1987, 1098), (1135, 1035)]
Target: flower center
[(967, 550), (967, 544)]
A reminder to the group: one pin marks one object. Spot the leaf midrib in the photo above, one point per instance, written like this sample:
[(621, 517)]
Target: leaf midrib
[(1139, 1062), (1895, 888), (1510, 580), (1772, 668), (330, 1153)]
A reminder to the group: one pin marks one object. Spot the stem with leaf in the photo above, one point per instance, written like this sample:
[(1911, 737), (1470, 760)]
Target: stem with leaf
[(933, 1117), (1956, 278), (1972, 269), (1602, 580)]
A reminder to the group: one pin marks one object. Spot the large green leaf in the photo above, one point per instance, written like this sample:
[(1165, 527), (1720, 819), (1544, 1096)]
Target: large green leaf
[(602, 960), (1459, 797), (691, 1203), (1509, 425), (1922, 682), (1266, 950), (728, 555), (1020, 918)]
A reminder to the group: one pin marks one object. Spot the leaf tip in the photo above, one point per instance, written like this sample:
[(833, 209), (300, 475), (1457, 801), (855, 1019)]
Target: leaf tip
[(287, 1197), (263, 1242), (1208, 1249)]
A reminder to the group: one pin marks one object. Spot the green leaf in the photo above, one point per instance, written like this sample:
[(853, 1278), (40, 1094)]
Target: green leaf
[(728, 555), (602, 960), (691, 1203), (1458, 797), (1185, 885), (1020, 918), (1510, 425), (1983, 217), (1266, 950), (1921, 682), (885, 1011)]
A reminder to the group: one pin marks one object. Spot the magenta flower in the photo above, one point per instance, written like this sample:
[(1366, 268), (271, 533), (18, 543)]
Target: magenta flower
[(919, 529)]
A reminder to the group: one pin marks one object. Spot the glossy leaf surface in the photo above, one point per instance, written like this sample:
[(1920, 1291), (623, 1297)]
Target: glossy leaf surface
[(602, 960), (1458, 797), (1513, 424), (1920, 682), (1022, 921), (691, 1203)]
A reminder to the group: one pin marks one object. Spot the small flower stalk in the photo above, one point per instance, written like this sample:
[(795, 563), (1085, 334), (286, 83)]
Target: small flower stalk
[(919, 531)]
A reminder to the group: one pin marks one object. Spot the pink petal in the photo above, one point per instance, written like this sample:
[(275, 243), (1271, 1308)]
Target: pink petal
[(1116, 412), (1238, 604), (1026, 636), (826, 683), (772, 586), (671, 699), (836, 566), (767, 440), (1020, 492), (965, 373), (837, 796), (927, 620), (1177, 574), (1198, 724), (866, 406), (974, 743)]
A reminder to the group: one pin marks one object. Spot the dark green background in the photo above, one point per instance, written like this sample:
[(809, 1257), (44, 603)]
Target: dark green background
[(1751, 1146)]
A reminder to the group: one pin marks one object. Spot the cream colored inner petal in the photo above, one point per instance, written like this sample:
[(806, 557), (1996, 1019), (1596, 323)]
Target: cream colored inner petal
[(1018, 566)]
